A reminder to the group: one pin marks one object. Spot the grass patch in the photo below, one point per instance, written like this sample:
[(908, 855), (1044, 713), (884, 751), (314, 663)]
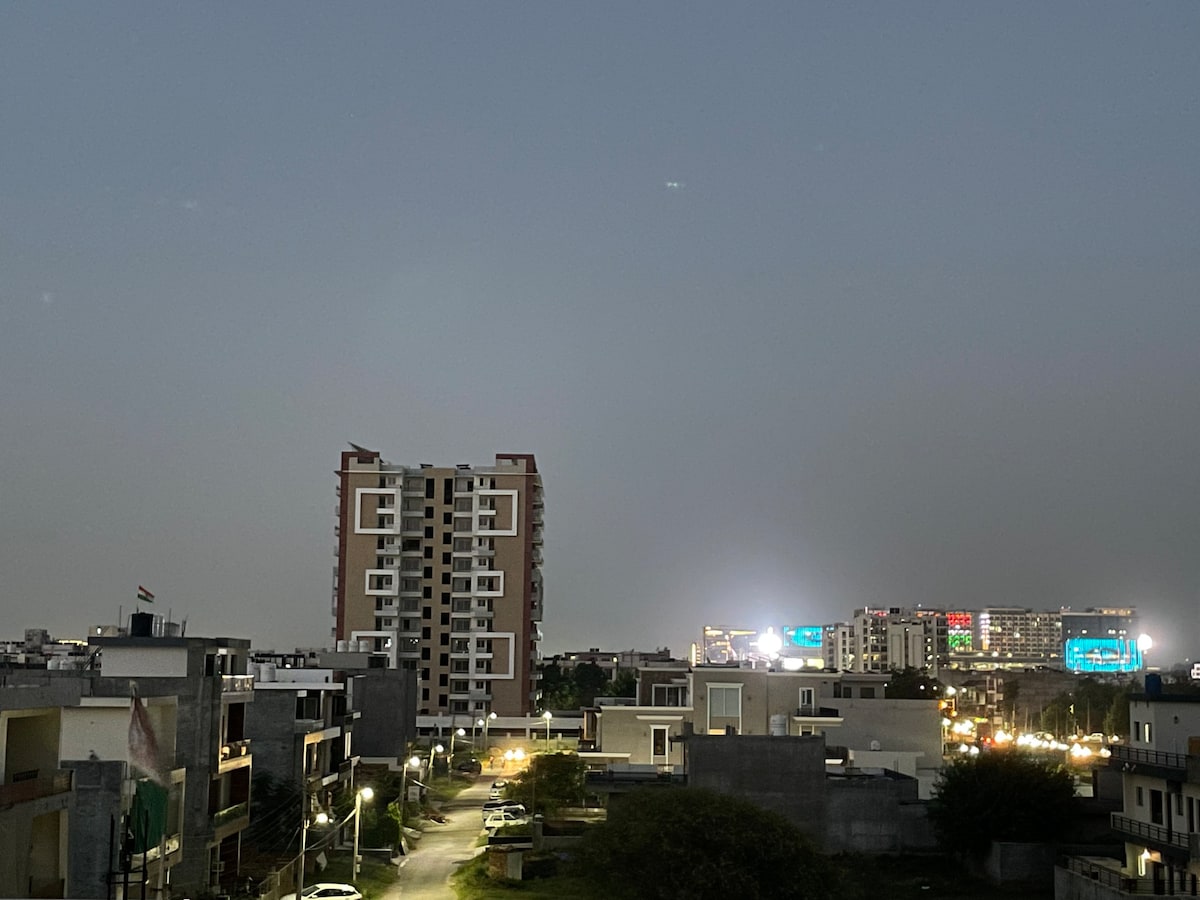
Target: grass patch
[(471, 882)]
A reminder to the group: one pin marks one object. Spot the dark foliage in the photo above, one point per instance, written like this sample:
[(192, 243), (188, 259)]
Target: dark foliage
[(1001, 796), (662, 844)]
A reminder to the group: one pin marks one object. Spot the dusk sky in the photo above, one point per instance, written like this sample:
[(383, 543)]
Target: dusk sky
[(801, 307)]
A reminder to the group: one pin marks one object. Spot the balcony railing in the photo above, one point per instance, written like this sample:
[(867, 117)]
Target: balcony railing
[(237, 684), (1123, 753), (230, 814), (55, 781), (811, 711), (1148, 831), (234, 749)]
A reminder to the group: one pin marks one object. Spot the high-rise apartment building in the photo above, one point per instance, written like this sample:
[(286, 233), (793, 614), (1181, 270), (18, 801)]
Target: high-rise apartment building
[(1014, 631), (892, 638), (440, 568)]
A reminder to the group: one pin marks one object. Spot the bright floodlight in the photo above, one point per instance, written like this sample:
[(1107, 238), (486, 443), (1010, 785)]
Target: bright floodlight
[(322, 818), (461, 732), (770, 643), (1144, 642), (367, 793), (547, 715), (439, 749), (414, 761)]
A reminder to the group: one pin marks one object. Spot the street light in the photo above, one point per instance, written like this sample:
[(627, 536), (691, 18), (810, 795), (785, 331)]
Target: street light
[(458, 732), (547, 715), (320, 818), (487, 720), (365, 794), (436, 748), (415, 762)]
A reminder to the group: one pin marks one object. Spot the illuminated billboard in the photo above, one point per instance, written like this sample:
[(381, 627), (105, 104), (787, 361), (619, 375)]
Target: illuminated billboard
[(1101, 655), (806, 637)]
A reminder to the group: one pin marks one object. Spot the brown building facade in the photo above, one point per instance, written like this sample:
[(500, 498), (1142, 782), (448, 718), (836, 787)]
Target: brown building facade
[(440, 568)]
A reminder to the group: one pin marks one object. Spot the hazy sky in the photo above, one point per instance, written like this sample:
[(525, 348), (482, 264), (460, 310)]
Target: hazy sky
[(801, 306)]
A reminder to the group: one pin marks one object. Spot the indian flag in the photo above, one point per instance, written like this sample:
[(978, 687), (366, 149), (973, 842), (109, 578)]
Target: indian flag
[(144, 595)]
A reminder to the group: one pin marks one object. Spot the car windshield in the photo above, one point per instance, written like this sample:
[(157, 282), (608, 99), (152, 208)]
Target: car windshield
[(311, 890)]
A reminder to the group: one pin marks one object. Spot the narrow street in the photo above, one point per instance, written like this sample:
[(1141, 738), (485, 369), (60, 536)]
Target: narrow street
[(426, 873)]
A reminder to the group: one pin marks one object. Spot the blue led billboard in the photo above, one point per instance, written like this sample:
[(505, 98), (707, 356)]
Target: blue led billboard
[(807, 637), (1101, 655)]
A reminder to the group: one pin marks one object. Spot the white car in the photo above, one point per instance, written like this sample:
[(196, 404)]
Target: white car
[(504, 817), (327, 890), (497, 790), (495, 806)]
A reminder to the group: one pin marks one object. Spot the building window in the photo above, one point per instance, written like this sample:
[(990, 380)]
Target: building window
[(1147, 734), (867, 693), (1140, 796), (724, 708), (807, 698), (658, 744)]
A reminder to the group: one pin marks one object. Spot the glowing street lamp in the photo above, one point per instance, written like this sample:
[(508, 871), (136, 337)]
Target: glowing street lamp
[(487, 720), (547, 715), (458, 732), (436, 748), (414, 762), (319, 819), (365, 794)]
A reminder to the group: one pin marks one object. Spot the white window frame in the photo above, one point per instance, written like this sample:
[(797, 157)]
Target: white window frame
[(723, 686)]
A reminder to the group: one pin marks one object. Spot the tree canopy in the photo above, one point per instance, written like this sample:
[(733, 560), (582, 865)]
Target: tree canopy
[(1000, 796), (581, 684), (665, 843), (912, 684), (551, 781)]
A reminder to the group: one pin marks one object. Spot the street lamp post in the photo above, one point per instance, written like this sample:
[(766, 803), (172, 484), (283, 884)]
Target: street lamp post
[(487, 720), (415, 762), (458, 732), (436, 748), (547, 715), (320, 819), (365, 794)]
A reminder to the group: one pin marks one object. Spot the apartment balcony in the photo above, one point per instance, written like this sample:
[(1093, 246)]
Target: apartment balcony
[(237, 684), (1154, 837), (1157, 763), (809, 713), (537, 536), (230, 820), (54, 781), (234, 755)]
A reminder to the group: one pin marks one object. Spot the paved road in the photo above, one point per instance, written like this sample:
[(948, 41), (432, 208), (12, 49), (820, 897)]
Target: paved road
[(426, 873)]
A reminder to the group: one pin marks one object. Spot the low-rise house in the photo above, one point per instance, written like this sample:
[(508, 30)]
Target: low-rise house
[(1159, 822), (163, 807)]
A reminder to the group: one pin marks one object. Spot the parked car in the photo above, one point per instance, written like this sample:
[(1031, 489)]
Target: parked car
[(503, 817), (494, 806), (327, 890), (469, 767), (497, 790)]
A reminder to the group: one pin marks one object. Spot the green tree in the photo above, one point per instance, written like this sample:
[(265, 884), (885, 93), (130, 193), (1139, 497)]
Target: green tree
[(665, 843), (624, 684), (559, 690), (1116, 720), (551, 781), (589, 681), (912, 684), (1000, 796)]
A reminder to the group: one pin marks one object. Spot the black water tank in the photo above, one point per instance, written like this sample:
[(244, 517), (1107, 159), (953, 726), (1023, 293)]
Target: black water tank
[(141, 624), (1153, 684)]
